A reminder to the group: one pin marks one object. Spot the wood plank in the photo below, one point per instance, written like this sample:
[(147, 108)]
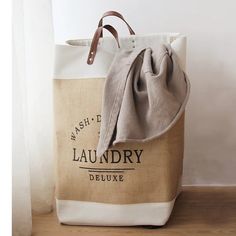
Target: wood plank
[(198, 211)]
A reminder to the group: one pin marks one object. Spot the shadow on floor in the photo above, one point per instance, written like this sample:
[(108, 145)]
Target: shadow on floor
[(212, 207)]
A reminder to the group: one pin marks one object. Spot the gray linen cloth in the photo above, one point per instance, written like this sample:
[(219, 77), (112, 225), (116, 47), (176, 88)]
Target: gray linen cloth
[(145, 94)]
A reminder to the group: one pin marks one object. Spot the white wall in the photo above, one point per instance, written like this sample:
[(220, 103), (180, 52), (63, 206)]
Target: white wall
[(210, 156)]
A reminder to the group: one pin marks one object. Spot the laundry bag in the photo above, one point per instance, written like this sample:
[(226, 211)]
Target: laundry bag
[(132, 183)]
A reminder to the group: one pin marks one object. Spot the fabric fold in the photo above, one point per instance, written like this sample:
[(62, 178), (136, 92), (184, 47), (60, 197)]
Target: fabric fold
[(145, 94)]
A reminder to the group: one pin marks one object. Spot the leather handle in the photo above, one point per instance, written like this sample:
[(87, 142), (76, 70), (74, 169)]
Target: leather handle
[(116, 14), (96, 37)]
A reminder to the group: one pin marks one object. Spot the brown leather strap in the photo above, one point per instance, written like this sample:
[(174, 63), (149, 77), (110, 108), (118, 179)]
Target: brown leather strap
[(96, 37), (116, 14)]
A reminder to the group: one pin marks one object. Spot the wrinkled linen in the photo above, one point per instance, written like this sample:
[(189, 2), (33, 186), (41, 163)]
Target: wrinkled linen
[(145, 93)]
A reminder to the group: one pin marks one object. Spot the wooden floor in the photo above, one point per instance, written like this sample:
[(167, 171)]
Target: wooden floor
[(198, 211)]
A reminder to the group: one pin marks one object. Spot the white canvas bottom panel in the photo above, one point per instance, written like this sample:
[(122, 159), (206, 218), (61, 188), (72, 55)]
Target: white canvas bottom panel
[(102, 214)]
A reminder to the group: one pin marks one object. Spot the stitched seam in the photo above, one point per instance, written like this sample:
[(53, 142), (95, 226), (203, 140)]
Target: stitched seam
[(111, 116)]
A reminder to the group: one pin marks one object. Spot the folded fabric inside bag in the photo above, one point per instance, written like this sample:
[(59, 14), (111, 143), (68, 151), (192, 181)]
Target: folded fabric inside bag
[(145, 94)]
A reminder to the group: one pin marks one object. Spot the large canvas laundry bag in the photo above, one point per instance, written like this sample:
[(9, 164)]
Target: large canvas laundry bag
[(131, 183)]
